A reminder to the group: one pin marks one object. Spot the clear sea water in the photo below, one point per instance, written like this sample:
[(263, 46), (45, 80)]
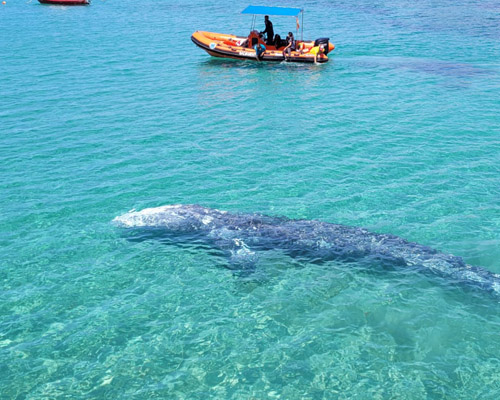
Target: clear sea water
[(111, 107)]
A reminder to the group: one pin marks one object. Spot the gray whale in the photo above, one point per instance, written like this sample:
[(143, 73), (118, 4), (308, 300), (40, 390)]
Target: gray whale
[(240, 235)]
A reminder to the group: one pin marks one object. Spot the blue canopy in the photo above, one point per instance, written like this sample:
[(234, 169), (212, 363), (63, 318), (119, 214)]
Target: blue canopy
[(292, 12)]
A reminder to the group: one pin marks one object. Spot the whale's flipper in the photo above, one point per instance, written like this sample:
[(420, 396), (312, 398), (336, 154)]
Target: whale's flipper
[(240, 257)]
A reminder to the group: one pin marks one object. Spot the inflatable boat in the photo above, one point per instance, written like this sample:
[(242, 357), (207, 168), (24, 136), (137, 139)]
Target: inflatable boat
[(254, 47)]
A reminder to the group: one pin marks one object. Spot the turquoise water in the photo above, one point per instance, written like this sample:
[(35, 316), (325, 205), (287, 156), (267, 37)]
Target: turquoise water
[(111, 107)]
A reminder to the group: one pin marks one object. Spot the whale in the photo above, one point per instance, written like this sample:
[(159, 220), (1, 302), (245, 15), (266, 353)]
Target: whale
[(241, 236)]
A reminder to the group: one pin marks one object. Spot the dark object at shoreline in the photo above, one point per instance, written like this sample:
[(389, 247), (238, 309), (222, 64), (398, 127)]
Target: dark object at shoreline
[(66, 2)]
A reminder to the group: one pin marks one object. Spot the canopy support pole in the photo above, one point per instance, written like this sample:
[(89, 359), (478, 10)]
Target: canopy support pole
[(302, 27)]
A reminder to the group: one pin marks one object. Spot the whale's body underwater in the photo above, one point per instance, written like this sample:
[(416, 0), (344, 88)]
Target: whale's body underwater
[(239, 235)]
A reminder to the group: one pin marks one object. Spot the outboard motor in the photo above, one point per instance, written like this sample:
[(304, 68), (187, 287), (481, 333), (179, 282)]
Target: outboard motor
[(324, 41)]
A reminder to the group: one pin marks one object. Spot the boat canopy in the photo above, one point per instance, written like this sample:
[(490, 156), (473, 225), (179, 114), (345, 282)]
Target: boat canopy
[(263, 10)]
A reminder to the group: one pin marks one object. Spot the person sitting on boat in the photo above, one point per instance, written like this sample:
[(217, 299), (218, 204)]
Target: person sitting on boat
[(259, 48), (277, 41), (290, 46), (269, 31), (317, 50)]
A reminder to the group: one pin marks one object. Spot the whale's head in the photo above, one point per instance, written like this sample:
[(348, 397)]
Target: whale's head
[(171, 218)]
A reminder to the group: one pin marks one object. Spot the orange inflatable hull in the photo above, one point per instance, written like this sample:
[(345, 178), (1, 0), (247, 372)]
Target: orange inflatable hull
[(231, 46)]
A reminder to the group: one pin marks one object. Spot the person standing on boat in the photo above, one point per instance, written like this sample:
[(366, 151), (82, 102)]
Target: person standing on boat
[(269, 31)]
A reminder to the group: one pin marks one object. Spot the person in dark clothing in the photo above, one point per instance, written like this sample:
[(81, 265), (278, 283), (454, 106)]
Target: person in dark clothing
[(269, 31), (277, 41), (291, 45)]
